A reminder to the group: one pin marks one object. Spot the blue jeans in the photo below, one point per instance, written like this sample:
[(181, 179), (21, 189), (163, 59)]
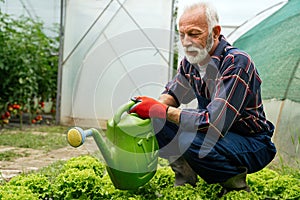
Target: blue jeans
[(215, 160)]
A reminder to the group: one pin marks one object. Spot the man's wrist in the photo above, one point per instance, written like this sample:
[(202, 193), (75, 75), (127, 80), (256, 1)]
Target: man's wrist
[(173, 114)]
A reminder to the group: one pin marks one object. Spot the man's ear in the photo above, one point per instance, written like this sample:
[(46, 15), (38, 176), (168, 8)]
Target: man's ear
[(216, 32)]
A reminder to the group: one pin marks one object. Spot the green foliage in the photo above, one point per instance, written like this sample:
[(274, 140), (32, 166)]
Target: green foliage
[(75, 184), (9, 192), (86, 162), (53, 170), (36, 183), (85, 177), (28, 60), (28, 63), (269, 184), (80, 178)]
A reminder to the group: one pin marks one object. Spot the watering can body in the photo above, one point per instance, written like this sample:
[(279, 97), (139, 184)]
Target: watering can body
[(128, 146), (135, 159)]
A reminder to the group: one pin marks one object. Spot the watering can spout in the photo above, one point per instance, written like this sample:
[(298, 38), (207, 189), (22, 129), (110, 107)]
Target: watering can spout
[(76, 137)]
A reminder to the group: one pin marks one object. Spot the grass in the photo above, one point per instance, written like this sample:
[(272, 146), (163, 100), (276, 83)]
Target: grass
[(41, 138), (11, 155)]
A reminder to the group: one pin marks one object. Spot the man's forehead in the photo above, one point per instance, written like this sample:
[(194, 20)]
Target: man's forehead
[(194, 18)]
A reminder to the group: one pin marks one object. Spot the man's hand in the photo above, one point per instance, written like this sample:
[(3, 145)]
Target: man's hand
[(147, 107)]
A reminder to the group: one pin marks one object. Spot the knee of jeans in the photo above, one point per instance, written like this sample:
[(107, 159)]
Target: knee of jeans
[(185, 140)]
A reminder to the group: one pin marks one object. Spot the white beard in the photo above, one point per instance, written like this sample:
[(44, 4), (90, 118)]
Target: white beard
[(202, 53)]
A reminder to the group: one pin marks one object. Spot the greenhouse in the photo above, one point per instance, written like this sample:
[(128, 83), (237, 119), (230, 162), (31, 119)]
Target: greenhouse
[(68, 65)]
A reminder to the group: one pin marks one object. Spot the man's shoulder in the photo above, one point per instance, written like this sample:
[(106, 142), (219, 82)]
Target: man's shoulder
[(237, 54), (226, 49), (238, 58)]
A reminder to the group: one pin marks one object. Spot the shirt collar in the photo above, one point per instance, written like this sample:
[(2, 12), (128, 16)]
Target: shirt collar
[(214, 64), (221, 48)]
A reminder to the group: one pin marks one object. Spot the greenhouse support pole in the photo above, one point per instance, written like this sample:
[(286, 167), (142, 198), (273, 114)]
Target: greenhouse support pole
[(60, 62), (172, 49)]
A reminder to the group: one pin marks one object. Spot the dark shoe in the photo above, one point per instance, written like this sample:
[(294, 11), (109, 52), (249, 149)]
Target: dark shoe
[(235, 183), (184, 174)]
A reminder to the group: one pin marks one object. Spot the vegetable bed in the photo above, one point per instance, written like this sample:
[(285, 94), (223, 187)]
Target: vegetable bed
[(85, 177)]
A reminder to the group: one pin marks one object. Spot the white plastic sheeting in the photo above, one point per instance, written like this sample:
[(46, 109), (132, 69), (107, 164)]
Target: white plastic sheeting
[(113, 50), (46, 11)]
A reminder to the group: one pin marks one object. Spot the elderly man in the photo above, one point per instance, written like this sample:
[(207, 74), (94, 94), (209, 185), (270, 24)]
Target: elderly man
[(227, 135)]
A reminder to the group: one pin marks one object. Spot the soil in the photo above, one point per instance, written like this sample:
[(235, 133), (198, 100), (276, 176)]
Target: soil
[(36, 159)]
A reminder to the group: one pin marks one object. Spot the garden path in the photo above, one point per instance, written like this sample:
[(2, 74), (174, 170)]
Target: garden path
[(37, 159)]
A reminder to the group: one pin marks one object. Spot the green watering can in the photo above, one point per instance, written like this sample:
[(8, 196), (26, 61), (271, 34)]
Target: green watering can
[(129, 148)]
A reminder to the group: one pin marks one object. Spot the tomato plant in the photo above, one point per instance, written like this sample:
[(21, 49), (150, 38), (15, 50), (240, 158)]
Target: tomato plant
[(28, 66)]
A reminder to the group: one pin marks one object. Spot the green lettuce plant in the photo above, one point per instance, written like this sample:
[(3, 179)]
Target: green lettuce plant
[(85, 177), (36, 183)]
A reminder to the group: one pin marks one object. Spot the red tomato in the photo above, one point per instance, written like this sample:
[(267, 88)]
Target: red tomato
[(7, 114)]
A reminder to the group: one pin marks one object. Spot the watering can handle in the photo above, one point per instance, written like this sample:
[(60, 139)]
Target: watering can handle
[(121, 110)]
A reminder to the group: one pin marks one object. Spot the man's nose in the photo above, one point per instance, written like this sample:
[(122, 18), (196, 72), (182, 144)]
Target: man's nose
[(186, 41)]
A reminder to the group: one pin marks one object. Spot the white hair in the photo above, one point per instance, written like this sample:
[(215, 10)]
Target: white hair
[(210, 12)]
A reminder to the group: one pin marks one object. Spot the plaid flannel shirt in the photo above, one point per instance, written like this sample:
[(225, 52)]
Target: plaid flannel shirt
[(229, 96)]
